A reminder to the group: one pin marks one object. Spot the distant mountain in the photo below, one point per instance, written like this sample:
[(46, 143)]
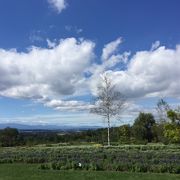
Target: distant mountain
[(47, 127)]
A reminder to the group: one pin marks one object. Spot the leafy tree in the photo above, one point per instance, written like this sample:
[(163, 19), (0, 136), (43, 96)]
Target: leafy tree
[(109, 102), (167, 113), (142, 127), (174, 116), (172, 129), (172, 132), (158, 133), (125, 133), (9, 137)]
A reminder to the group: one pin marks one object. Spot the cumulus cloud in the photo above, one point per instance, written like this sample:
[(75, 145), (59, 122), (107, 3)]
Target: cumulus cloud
[(58, 5), (111, 58), (54, 76), (43, 72), (151, 74)]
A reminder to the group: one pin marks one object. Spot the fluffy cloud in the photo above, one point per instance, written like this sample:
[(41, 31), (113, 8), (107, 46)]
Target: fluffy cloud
[(110, 59), (45, 72), (66, 69), (58, 5), (110, 48), (151, 73)]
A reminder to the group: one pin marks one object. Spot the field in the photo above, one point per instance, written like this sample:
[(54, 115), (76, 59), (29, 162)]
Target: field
[(31, 171), (127, 158)]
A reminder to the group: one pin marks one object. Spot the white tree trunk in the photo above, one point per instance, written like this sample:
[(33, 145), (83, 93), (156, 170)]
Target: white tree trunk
[(108, 131)]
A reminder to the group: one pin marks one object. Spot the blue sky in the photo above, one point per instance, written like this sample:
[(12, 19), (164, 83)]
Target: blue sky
[(52, 53)]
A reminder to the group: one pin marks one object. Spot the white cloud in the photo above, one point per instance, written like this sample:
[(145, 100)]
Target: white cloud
[(110, 59), (110, 49), (51, 44), (70, 105), (58, 5), (51, 76), (76, 119), (151, 74), (42, 72), (155, 45)]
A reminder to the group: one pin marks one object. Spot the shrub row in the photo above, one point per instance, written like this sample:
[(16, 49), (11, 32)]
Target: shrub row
[(113, 158), (104, 166)]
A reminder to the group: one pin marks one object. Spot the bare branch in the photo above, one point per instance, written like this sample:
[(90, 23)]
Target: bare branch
[(109, 102)]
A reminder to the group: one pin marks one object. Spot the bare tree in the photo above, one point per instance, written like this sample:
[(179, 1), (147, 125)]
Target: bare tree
[(162, 109), (109, 102)]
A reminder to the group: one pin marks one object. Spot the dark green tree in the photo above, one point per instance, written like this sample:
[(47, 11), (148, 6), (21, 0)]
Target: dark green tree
[(9, 137), (142, 127)]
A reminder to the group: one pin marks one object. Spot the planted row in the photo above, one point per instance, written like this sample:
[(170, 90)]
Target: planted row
[(105, 166)]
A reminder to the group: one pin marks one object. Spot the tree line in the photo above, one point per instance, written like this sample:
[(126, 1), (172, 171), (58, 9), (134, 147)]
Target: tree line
[(145, 129)]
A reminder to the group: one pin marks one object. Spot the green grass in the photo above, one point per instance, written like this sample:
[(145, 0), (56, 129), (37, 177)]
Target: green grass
[(29, 171)]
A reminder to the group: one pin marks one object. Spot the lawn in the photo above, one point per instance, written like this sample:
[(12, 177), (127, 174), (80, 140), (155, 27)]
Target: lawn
[(29, 171)]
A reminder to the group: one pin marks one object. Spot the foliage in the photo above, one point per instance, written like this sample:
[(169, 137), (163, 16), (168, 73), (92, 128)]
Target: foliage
[(125, 133), (145, 129), (158, 134), (9, 136), (174, 116), (172, 132), (143, 126)]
